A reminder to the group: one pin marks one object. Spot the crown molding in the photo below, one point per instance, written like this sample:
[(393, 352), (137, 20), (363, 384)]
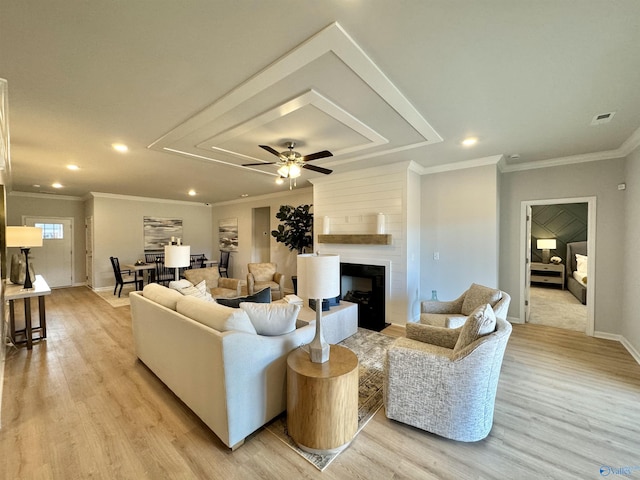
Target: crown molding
[(476, 162), (48, 196), (631, 143), (145, 199)]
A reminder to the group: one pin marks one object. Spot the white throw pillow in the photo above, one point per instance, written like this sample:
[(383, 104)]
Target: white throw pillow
[(272, 319), (481, 322), (216, 316), (188, 289), (581, 262)]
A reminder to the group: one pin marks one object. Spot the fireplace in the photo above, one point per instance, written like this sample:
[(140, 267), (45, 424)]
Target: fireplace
[(365, 285)]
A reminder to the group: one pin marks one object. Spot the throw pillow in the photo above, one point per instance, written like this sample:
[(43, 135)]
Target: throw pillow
[(216, 316), (186, 288), (481, 322), (263, 296), (272, 319), (478, 295)]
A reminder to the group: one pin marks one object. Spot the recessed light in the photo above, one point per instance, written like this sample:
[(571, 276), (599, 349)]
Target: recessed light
[(56, 185), (36, 185), (73, 167), (244, 195), (120, 147), (467, 142), (192, 193)]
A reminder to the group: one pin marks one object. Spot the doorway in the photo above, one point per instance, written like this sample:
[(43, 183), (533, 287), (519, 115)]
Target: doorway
[(261, 244), (54, 260), (543, 296)]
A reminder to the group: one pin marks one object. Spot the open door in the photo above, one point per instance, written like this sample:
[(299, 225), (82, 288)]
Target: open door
[(527, 265)]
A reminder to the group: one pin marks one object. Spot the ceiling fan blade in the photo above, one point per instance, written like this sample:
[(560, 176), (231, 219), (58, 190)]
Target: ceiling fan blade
[(270, 150), (317, 155), (258, 164), (315, 168)]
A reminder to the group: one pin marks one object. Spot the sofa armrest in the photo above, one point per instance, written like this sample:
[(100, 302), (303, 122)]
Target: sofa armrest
[(436, 306), (279, 279), (440, 336)]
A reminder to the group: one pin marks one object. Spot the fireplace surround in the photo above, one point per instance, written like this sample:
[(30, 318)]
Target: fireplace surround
[(365, 285)]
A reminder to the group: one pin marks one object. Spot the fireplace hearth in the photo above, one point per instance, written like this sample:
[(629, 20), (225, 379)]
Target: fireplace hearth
[(364, 285)]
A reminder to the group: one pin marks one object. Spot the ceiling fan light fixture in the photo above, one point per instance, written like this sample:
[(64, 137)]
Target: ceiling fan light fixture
[(283, 171), (294, 170)]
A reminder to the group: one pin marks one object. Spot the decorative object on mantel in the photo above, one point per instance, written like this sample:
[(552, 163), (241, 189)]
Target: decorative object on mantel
[(380, 224), (356, 239), (326, 225), (24, 238), (319, 278)]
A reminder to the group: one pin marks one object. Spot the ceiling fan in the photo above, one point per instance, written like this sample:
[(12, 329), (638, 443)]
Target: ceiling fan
[(291, 163)]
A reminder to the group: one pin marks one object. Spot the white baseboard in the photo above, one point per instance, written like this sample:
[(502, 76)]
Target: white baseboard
[(625, 343), (514, 320), (608, 336)]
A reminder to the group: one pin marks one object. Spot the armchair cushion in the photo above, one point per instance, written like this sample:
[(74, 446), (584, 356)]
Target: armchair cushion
[(263, 296), (261, 275), (262, 272), (478, 295), (481, 322), (272, 319)]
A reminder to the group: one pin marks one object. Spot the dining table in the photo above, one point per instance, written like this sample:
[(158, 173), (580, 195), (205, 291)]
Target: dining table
[(147, 270)]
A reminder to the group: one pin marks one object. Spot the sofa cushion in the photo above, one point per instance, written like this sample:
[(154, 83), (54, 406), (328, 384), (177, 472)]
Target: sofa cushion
[(478, 295), (162, 295), (272, 319), (481, 322), (216, 316), (263, 296), (186, 288)]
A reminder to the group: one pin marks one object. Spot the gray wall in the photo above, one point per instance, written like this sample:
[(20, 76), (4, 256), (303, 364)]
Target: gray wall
[(599, 179), (19, 204), (459, 221), (631, 278)]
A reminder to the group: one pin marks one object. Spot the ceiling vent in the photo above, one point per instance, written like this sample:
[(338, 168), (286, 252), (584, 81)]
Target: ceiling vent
[(602, 118)]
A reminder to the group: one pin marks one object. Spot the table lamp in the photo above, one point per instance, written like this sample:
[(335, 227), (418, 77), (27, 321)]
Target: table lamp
[(25, 238), (319, 278), (177, 256), (546, 244)]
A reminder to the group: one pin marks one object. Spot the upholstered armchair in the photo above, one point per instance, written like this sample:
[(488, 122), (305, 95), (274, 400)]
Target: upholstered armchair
[(263, 275), (445, 380), (219, 287), (454, 313)]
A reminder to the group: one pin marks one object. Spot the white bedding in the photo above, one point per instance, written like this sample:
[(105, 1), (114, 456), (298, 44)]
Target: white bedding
[(581, 277)]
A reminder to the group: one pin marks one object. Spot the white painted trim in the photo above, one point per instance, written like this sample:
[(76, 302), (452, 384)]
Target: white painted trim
[(631, 349), (48, 196), (146, 199), (449, 167), (363, 172), (631, 143), (516, 320), (608, 336), (591, 262), (266, 196)]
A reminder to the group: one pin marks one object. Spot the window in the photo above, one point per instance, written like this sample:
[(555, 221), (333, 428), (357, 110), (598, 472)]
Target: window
[(51, 231)]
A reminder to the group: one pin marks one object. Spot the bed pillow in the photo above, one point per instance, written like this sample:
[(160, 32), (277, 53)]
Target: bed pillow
[(480, 323), (263, 296), (581, 264), (272, 319)]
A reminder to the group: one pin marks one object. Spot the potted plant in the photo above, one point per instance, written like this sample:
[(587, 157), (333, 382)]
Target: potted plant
[(295, 230)]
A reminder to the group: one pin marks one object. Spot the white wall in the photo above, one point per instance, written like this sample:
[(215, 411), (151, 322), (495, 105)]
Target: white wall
[(242, 210), (459, 222), (599, 179), (631, 279), (118, 230), (352, 201), (19, 204)]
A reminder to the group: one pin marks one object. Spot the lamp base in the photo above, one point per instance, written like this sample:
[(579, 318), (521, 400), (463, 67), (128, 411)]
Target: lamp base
[(319, 348), (27, 276), (546, 253)]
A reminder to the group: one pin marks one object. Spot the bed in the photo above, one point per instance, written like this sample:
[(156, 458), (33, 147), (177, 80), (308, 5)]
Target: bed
[(576, 281)]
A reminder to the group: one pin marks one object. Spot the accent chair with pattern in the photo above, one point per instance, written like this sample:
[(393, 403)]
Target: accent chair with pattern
[(263, 275)]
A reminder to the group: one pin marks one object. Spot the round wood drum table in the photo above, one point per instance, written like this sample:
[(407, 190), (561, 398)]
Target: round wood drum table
[(322, 400)]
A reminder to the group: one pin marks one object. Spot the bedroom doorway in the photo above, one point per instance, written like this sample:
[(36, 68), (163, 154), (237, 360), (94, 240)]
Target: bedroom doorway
[(562, 220)]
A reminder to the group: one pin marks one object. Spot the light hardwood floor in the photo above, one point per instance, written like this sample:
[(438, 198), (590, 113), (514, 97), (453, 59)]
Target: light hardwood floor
[(81, 406)]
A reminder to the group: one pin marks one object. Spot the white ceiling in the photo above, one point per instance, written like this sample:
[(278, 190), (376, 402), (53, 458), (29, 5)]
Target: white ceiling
[(193, 87)]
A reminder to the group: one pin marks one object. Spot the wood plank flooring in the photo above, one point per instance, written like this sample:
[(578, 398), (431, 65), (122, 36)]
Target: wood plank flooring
[(80, 405)]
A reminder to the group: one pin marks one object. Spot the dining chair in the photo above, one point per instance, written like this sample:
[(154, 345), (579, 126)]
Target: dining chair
[(223, 264), (120, 280)]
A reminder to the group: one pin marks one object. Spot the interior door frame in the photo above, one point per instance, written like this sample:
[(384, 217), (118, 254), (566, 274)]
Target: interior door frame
[(26, 218), (525, 253)]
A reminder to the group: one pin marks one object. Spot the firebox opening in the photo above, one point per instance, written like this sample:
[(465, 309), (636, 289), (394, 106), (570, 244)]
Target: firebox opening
[(364, 285)]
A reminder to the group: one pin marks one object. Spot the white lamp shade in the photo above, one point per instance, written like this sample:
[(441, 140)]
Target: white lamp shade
[(24, 237), (177, 256), (318, 276), (546, 243)]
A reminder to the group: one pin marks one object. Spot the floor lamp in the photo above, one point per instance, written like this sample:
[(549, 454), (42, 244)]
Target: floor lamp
[(25, 238), (177, 256), (318, 278)]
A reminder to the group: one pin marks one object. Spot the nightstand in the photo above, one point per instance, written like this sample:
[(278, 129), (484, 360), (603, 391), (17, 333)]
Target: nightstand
[(547, 273)]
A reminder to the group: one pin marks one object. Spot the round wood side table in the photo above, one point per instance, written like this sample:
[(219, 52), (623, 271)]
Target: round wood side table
[(322, 400)]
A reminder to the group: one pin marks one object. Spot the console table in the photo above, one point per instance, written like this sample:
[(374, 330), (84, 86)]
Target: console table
[(549, 273), (322, 400), (14, 292)]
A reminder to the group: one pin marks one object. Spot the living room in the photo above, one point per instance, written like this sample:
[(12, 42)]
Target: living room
[(466, 208)]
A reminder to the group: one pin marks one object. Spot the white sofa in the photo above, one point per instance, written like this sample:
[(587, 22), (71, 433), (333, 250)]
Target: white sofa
[(233, 380)]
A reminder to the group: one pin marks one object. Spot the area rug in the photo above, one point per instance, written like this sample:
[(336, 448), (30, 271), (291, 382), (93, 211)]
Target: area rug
[(370, 347), (113, 300), (557, 308)]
